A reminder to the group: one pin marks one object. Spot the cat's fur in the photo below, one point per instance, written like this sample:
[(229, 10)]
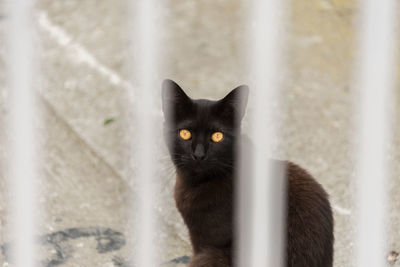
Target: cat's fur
[(204, 187)]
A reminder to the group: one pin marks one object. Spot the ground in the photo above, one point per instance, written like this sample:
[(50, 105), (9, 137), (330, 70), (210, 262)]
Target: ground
[(86, 184)]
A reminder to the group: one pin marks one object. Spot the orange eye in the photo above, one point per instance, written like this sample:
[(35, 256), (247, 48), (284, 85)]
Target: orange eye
[(217, 137), (185, 134)]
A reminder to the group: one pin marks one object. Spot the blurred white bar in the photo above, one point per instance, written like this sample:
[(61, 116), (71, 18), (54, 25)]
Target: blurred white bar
[(375, 80), (146, 29), (22, 172), (261, 239)]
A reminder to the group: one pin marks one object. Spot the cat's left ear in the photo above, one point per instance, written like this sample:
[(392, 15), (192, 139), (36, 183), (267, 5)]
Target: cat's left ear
[(237, 99)]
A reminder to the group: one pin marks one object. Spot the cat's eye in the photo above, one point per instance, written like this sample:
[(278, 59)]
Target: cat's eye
[(185, 134), (217, 137)]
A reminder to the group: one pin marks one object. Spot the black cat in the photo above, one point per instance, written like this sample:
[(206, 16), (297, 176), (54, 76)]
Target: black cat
[(201, 136)]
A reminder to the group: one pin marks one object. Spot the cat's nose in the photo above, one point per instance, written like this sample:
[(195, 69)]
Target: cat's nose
[(199, 152)]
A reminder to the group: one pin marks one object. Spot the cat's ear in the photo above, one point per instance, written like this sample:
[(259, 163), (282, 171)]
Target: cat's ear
[(174, 99), (237, 99)]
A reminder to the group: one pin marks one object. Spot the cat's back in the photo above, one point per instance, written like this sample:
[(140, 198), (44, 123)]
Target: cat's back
[(309, 216), (310, 221)]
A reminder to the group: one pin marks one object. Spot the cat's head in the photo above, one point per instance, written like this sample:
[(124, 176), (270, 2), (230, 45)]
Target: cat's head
[(200, 134)]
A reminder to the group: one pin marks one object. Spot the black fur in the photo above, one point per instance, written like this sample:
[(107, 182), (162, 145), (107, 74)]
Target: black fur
[(204, 187)]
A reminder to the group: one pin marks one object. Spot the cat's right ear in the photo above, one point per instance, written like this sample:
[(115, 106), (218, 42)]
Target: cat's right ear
[(174, 100)]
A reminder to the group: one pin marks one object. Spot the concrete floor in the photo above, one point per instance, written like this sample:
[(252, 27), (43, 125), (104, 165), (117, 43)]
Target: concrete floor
[(86, 183)]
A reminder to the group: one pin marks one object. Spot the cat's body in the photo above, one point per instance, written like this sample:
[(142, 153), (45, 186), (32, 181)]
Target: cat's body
[(209, 220), (205, 183)]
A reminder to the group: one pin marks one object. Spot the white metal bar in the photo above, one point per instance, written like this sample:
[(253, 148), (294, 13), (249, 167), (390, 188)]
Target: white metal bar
[(146, 27), (261, 238), (374, 80), (22, 154)]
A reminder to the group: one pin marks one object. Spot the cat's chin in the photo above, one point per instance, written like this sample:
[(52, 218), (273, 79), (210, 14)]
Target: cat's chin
[(192, 165), (200, 173), (194, 170), (195, 178)]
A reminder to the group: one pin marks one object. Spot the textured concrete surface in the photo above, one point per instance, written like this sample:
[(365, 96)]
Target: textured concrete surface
[(86, 184)]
